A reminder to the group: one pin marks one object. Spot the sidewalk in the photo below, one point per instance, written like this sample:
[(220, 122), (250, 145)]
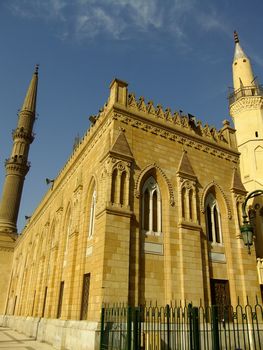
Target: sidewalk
[(10, 339)]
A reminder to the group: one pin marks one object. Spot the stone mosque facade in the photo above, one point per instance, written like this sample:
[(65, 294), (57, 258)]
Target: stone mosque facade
[(147, 208)]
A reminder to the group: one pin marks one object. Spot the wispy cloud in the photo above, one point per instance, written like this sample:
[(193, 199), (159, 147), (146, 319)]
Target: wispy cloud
[(46, 9), (120, 19)]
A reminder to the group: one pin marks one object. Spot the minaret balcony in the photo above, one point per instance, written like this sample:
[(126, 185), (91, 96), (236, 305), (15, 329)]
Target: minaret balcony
[(17, 163), (22, 134), (248, 91)]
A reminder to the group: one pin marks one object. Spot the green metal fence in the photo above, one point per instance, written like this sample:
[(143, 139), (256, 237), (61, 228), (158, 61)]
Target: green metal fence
[(182, 327)]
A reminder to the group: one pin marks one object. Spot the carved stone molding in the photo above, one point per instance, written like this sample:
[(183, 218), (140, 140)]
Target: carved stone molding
[(144, 171), (185, 140), (246, 103), (6, 249), (239, 198), (204, 193), (188, 184)]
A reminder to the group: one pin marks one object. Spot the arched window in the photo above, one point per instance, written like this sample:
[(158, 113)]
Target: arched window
[(213, 220), (92, 214), (151, 207)]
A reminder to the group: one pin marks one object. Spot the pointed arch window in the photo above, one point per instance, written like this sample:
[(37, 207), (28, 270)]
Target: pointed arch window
[(213, 220), (151, 207), (92, 214)]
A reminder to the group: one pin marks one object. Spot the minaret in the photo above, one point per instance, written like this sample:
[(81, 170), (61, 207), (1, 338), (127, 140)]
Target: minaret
[(246, 109), (17, 165)]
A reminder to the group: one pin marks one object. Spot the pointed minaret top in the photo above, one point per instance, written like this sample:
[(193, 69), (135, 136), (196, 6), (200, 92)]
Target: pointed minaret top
[(31, 95), (239, 53)]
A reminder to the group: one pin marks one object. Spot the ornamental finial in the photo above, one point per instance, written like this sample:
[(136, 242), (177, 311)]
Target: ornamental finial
[(236, 37), (36, 69)]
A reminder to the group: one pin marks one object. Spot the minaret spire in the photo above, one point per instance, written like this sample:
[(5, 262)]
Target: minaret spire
[(31, 96), (242, 69), (245, 107), (17, 165)]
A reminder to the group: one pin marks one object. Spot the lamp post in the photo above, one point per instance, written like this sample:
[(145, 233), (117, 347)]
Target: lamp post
[(247, 229)]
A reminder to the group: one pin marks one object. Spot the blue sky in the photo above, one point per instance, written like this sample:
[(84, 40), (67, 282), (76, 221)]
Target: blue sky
[(175, 52)]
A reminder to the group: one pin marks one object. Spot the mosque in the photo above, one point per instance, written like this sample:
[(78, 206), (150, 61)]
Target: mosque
[(147, 208)]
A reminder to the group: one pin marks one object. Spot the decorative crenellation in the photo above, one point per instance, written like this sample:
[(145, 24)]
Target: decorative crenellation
[(184, 121), (175, 136)]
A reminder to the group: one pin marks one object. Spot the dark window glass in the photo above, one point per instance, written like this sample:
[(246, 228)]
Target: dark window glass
[(154, 218), (209, 223), (146, 210), (44, 303), (122, 193), (216, 225), (113, 185), (60, 299)]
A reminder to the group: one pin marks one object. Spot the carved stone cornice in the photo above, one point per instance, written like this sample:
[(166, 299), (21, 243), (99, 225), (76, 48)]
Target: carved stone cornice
[(16, 167), (168, 132), (20, 133), (6, 249), (187, 183), (246, 104)]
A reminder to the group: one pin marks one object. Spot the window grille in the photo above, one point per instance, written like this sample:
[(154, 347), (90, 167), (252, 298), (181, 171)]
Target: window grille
[(85, 297)]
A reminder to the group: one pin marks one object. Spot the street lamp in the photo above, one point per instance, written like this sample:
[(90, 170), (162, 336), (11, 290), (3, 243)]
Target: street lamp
[(247, 229)]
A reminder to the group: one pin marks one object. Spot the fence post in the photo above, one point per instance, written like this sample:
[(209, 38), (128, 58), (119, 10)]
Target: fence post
[(215, 330), (136, 322), (190, 315), (129, 327), (102, 327), (168, 325), (196, 331)]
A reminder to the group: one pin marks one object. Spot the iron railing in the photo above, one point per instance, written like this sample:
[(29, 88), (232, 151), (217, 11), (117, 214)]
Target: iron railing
[(182, 327), (255, 90)]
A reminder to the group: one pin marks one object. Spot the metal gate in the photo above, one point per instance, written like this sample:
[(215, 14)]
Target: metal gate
[(182, 327)]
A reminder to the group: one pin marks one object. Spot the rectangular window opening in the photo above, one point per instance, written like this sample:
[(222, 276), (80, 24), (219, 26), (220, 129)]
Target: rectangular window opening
[(60, 299), (85, 297), (220, 296), (44, 303)]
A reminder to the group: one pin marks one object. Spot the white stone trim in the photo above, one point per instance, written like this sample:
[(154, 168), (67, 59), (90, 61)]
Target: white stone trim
[(92, 215)]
